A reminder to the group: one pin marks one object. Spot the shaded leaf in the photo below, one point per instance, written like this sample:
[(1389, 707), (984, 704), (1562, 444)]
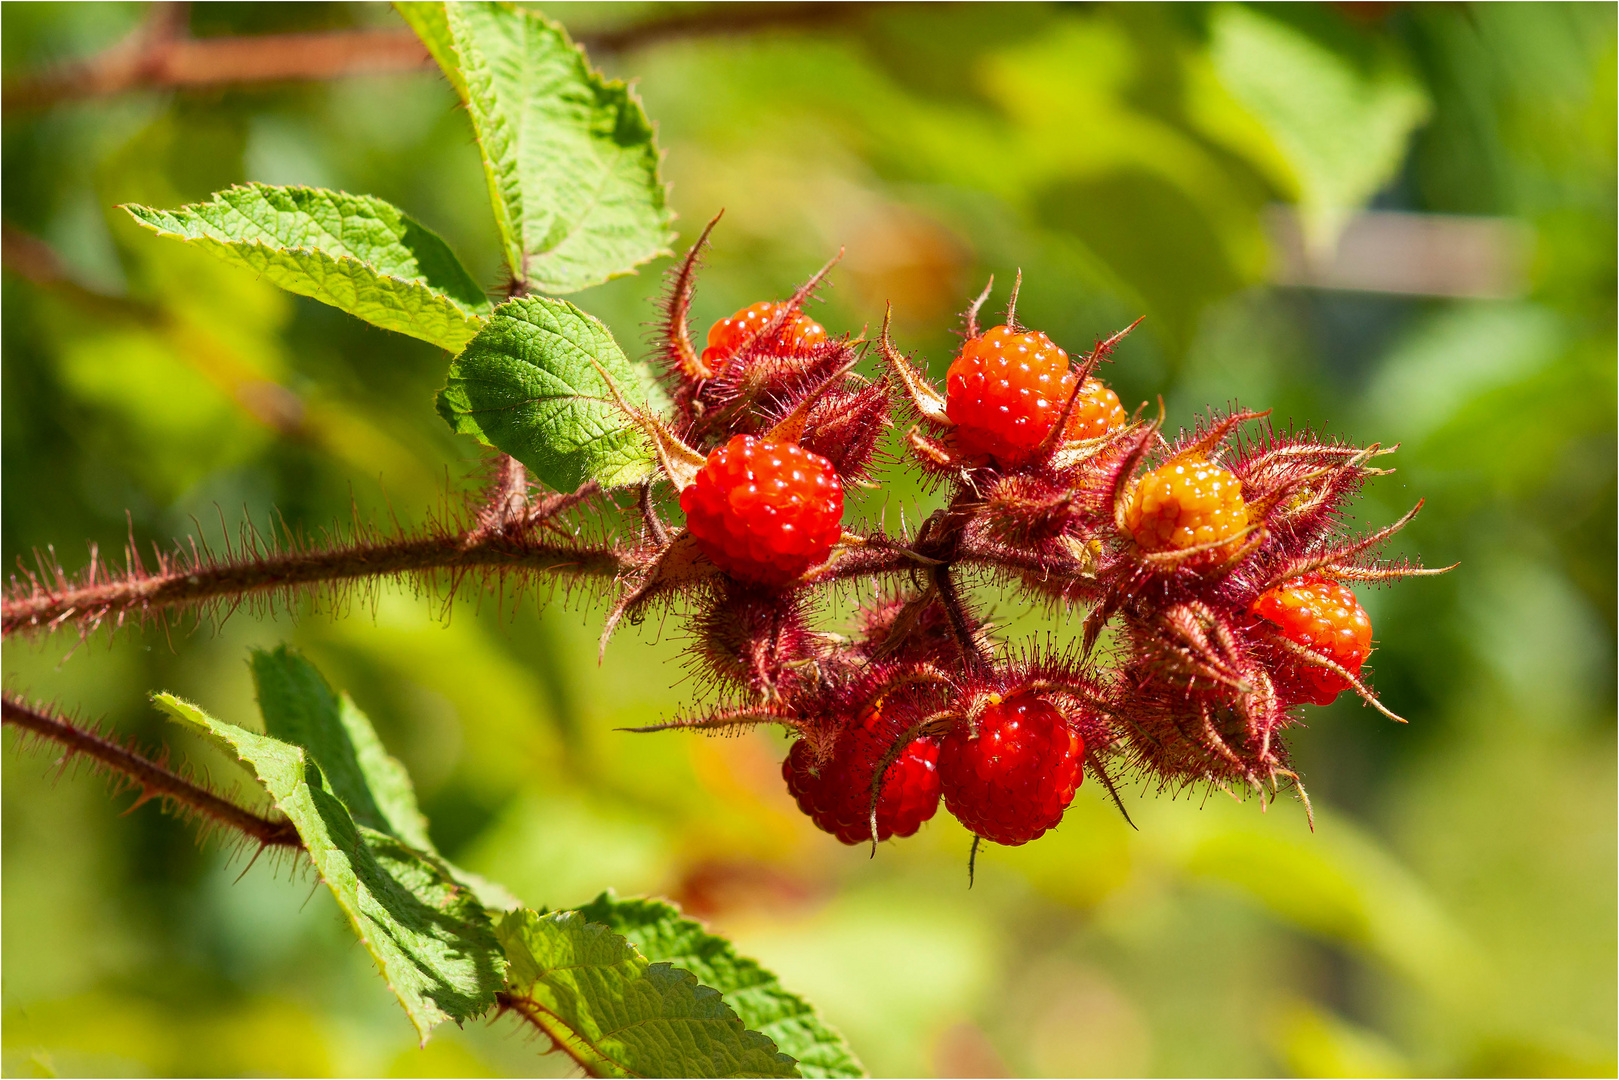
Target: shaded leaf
[(570, 157), (618, 1014), (357, 253), (429, 935), (528, 385), (661, 933)]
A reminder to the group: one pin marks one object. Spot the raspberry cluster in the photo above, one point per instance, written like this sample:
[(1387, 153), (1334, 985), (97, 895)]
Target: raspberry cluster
[(1208, 574)]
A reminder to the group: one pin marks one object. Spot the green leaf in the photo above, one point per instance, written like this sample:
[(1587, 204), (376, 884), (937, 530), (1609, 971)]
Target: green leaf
[(1341, 122), (300, 707), (528, 384), (619, 1015), (570, 156), (429, 935), (354, 252), (660, 932)]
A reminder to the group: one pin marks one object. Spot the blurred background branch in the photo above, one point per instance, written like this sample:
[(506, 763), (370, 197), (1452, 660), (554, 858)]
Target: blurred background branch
[(161, 55)]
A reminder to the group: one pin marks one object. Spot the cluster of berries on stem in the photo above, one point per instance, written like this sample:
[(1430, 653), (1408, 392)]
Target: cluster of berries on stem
[(1208, 574)]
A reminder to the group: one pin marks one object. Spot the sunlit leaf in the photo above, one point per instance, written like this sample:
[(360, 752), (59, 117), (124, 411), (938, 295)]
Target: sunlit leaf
[(661, 933), (570, 157), (529, 385), (619, 1014), (355, 252)]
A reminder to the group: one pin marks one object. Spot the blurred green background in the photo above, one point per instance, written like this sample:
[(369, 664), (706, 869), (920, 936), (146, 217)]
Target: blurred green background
[(1452, 913)]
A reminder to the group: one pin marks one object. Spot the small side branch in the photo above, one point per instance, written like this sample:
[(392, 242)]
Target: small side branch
[(155, 779)]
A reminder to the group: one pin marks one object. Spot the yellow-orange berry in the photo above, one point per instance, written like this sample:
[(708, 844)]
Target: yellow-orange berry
[(1096, 412), (1187, 503)]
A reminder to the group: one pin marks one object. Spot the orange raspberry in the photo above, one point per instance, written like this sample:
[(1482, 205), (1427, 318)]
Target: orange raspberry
[(798, 334), (1184, 504), (1325, 618), (1096, 412)]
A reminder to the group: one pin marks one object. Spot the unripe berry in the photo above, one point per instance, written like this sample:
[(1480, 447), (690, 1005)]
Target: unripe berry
[(838, 796), (1096, 412), (1004, 391), (765, 511), (798, 334), (1012, 780), (1186, 503), (1325, 618)]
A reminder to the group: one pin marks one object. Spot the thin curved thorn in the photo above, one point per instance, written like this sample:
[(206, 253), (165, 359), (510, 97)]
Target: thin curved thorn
[(1309, 656), (1349, 551), (680, 307), (972, 311), (1107, 782), (1011, 301)]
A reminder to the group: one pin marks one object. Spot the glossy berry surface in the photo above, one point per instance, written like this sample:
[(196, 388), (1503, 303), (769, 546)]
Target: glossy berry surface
[(1096, 412), (838, 796), (765, 511), (1013, 780), (1325, 618), (798, 334), (1004, 392), (1184, 504)]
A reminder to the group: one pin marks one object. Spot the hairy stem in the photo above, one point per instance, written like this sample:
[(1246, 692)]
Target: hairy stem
[(189, 579), (155, 779)]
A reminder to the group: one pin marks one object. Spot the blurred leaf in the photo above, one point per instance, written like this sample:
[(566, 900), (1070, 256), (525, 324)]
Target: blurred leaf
[(661, 933), (357, 253), (528, 385), (1314, 1042), (430, 937), (618, 1015), (1341, 125), (570, 156), (1345, 887)]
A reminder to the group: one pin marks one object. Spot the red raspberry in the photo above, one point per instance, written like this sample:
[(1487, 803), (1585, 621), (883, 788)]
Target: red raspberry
[(799, 334), (765, 511), (838, 798), (1325, 618), (1013, 780), (1096, 412), (1004, 391), (1184, 504)]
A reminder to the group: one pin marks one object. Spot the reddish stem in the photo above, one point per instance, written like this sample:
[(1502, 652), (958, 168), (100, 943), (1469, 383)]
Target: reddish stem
[(155, 780), (188, 579)]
